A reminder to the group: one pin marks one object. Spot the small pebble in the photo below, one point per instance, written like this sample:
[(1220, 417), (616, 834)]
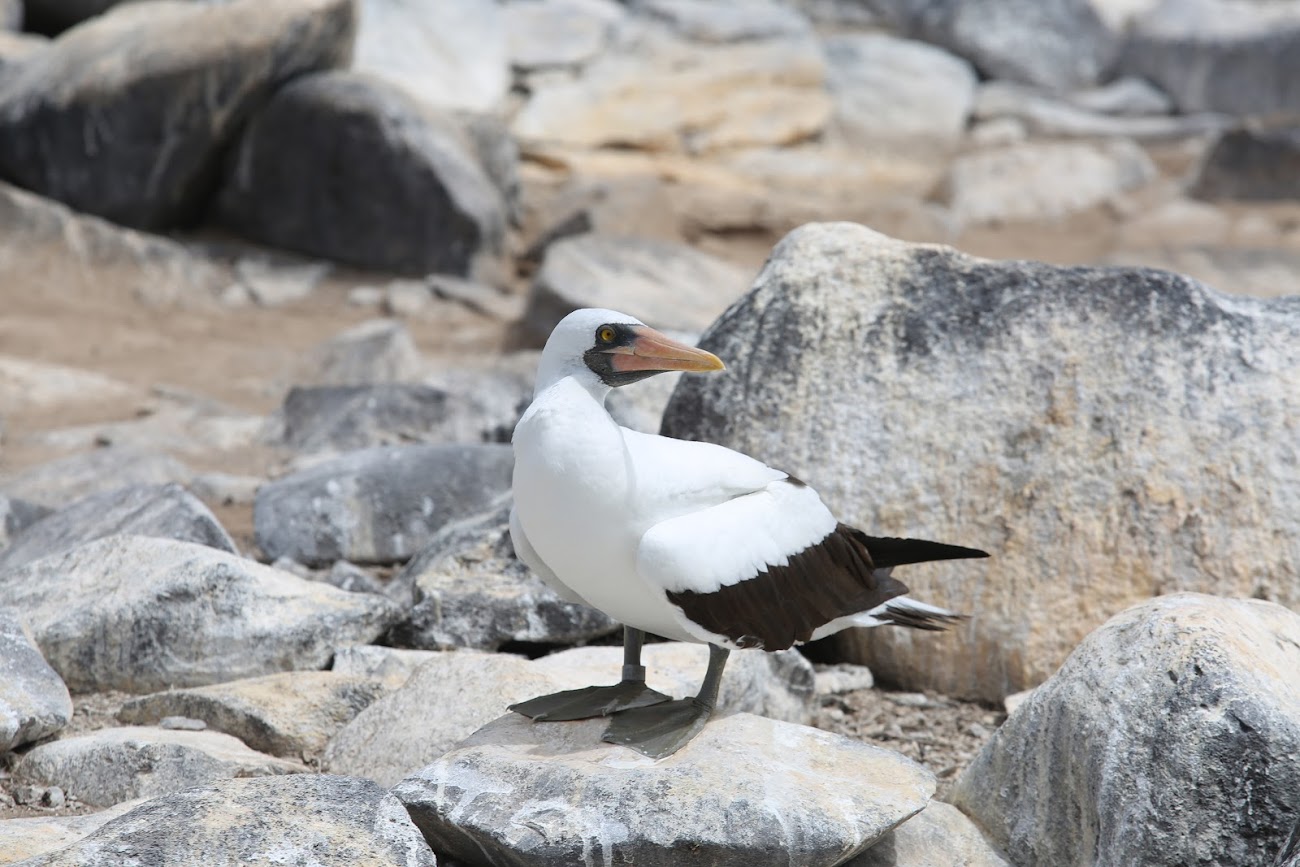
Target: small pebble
[(53, 798), (182, 723), (909, 699), (28, 795)]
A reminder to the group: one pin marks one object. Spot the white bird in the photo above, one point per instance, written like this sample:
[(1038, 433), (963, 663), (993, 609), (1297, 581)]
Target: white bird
[(686, 540)]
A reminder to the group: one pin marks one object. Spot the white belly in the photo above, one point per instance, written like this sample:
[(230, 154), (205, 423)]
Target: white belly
[(573, 501)]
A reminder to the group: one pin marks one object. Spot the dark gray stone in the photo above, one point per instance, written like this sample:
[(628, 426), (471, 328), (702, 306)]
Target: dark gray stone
[(727, 20), (346, 417), (378, 505), (165, 511), (139, 614), (307, 820), (1217, 55), (128, 116), (1080, 424), (469, 590), (55, 16), (34, 703), (17, 515), (745, 788), (1058, 44), (1171, 736), (408, 192), (1253, 163)]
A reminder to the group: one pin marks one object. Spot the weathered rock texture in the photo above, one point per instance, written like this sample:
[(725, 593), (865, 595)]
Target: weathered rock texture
[(407, 192), (141, 614), (938, 836), (377, 505), (113, 765), (1170, 736), (127, 116), (34, 702), (469, 590), (162, 511), (292, 714), (36, 835), (746, 787), (308, 820), (1107, 434)]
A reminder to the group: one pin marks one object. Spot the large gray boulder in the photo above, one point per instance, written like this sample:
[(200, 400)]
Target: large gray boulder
[(66, 480), (306, 820), (139, 614), (378, 505), (468, 589), (163, 511), (1170, 736), (112, 765), (1058, 44), (517, 792), (127, 116), (1219, 55), (34, 702), (1077, 423), (292, 714), (407, 191)]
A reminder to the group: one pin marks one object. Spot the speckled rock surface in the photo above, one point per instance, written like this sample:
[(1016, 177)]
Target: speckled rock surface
[(377, 505), (938, 836), (162, 511), (516, 793), (306, 820), (141, 614), (113, 765), (34, 702), (36, 835), (1080, 424), (469, 590), (1171, 736), (292, 714)]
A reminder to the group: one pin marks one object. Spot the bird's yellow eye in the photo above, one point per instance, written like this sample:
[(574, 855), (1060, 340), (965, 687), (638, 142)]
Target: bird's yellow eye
[(605, 334)]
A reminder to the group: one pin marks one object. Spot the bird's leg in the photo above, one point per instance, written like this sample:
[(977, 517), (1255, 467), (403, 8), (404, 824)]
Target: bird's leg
[(593, 701), (663, 729)]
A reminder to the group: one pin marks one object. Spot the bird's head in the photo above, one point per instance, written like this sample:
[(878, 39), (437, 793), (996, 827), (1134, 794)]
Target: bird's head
[(613, 349)]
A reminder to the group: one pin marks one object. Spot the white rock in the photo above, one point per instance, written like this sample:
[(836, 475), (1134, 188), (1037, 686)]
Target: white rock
[(27, 385), (113, 765), (1036, 181), (550, 33), (273, 284), (520, 793), (141, 614), (898, 93), (71, 478), (1177, 222), (842, 677), (727, 20), (391, 664), (449, 54), (34, 703), (938, 836), (378, 350), (26, 838), (1168, 737)]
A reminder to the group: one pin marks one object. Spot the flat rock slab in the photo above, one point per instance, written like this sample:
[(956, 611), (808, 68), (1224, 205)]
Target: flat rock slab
[(378, 505), (34, 702), (744, 789), (292, 714), (307, 821), (67, 479), (1170, 736), (926, 393), (113, 765), (141, 614), (163, 511)]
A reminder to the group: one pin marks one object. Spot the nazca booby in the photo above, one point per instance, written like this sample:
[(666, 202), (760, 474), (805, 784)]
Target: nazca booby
[(687, 540)]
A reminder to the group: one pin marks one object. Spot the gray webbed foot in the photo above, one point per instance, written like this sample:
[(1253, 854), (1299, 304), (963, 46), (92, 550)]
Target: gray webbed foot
[(660, 730), (590, 701)]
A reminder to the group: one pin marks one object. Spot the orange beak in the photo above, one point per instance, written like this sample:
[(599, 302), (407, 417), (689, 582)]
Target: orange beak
[(651, 350)]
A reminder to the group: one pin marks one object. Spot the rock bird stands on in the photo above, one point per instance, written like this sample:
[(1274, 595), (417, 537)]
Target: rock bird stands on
[(686, 540)]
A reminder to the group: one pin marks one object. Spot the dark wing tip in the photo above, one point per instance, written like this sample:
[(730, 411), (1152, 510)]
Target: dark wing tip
[(933, 621)]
